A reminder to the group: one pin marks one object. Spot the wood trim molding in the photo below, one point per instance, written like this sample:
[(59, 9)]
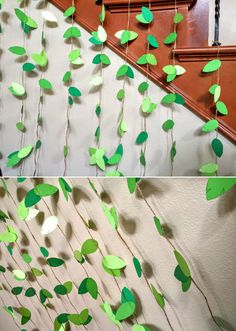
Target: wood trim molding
[(226, 53), (135, 5)]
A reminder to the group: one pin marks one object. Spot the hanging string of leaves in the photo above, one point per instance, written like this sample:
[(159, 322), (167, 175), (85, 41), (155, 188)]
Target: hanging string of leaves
[(72, 34), (182, 271), (41, 62), (172, 72), (213, 66), (100, 60), (148, 59)]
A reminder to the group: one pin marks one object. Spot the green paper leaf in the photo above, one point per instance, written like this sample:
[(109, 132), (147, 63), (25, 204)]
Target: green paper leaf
[(168, 125), (113, 262), (79, 319), (78, 256), (209, 168), (171, 38), (60, 289), (89, 246), (24, 152), (186, 285), (67, 76), (152, 41), (141, 138), (55, 262), (69, 11), (158, 297), (72, 32), (126, 310), (143, 87), (44, 251), (169, 69), (218, 186), (65, 187), (142, 158), (44, 190), (16, 290), (74, 91), (89, 285), (27, 258), (210, 126), (168, 98), (18, 50), (182, 264), (159, 226), (111, 215), (17, 89), (137, 266), (31, 198), (20, 126), (178, 18), (180, 275), (30, 292), (40, 59), (36, 272), (221, 107), (212, 66), (127, 296), (132, 183), (45, 84), (125, 70), (217, 147), (102, 15), (216, 91), (120, 95)]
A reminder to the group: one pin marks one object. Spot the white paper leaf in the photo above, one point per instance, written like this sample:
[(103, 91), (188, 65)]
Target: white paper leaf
[(50, 224), (102, 35), (179, 70), (78, 61), (118, 34), (96, 81), (33, 212), (48, 16)]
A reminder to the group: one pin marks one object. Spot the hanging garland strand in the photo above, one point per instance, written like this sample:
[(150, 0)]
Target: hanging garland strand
[(157, 295), (146, 17), (19, 90), (182, 271), (97, 155), (172, 71), (41, 60), (74, 57), (100, 59), (212, 125), (21, 124), (125, 72)]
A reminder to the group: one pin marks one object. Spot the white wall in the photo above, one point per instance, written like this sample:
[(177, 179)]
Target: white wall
[(227, 22), (204, 230), (192, 148)]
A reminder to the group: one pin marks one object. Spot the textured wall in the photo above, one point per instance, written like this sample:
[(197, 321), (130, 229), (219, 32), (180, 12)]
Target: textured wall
[(205, 231), (193, 148)]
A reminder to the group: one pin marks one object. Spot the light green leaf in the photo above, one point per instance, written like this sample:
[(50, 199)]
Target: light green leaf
[(218, 186), (113, 262), (171, 38), (222, 108), (158, 297), (18, 50), (210, 126), (212, 66), (209, 169)]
